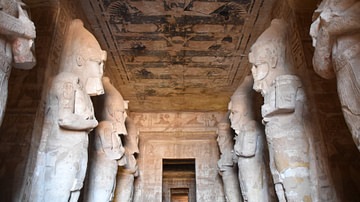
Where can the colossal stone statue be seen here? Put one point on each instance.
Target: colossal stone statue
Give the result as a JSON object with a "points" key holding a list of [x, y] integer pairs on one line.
{"points": [[62, 154], [282, 113], [249, 145], [227, 162], [125, 180], [115, 107], [17, 34], [336, 38], [108, 148]]}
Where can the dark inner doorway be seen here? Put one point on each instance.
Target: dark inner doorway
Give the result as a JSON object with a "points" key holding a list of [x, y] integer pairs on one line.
{"points": [[178, 182]]}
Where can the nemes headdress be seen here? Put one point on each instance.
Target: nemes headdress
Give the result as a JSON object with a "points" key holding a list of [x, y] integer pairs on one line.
{"points": [[275, 36], [113, 99], [81, 44], [243, 93], [224, 122]]}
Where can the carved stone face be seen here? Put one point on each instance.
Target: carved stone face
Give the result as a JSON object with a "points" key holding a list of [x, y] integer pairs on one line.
{"points": [[83, 56], [133, 142], [94, 72], [115, 107], [132, 139], [260, 69], [120, 117], [269, 56], [238, 112], [223, 136], [117, 115]]}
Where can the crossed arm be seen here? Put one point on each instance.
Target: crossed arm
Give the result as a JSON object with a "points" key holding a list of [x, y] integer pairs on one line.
{"points": [[68, 118]]}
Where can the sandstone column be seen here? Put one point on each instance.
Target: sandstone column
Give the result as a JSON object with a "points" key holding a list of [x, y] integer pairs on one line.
{"points": [[282, 113], [17, 34], [107, 151], [62, 154], [227, 163], [336, 38], [126, 175], [249, 145]]}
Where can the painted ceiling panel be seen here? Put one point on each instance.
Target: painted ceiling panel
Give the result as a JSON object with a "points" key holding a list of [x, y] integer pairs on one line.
{"points": [[177, 55]]}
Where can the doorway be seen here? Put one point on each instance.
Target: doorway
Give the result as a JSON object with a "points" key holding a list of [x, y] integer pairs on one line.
{"points": [[179, 194], [178, 182]]}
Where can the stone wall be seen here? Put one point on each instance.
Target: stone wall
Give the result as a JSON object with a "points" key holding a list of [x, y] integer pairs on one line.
{"points": [[21, 129], [185, 135], [23, 100], [336, 155], [171, 135]]}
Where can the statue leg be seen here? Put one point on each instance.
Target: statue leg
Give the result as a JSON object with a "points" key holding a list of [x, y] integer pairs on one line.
{"points": [[3, 93], [59, 177], [74, 196], [349, 94], [102, 176], [65, 173], [279, 188], [82, 157], [231, 184], [253, 176], [124, 188], [292, 162], [353, 123]]}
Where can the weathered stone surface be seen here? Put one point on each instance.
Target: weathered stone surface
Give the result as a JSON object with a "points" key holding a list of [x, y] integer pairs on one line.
{"points": [[107, 149], [336, 38], [182, 121], [282, 112], [103, 165], [17, 34], [249, 145], [114, 108], [126, 175], [62, 155], [50, 17], [227, 163], [184, 140]]}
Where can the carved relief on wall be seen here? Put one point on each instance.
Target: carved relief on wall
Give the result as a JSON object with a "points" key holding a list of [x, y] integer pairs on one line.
{"points": [[182, 121], [155, 146]]}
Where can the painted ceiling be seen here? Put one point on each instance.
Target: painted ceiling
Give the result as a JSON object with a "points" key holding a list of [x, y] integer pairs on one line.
{"points": [[177, 55]]}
